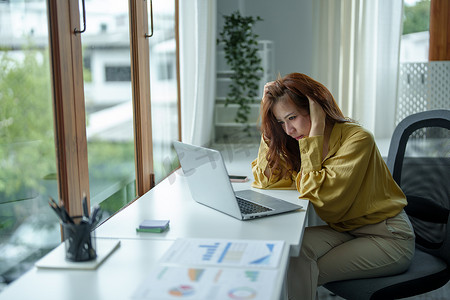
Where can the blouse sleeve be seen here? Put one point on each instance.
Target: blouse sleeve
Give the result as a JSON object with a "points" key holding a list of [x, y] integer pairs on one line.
{"points": [[276, 180], [332, 185]]}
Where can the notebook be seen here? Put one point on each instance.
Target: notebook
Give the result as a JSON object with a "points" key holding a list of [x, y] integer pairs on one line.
{"points": [[210, 185]]}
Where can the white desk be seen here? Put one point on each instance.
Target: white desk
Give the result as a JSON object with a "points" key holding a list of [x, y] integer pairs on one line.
{"points": [[171, 200], [117, 278]]}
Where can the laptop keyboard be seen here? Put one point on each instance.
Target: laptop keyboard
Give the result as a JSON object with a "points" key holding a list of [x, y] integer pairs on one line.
{"points": [[248, 207]]}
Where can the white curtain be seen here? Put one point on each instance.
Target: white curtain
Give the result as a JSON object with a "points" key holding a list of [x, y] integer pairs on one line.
{"points": [[357, 45], [197, 25]]}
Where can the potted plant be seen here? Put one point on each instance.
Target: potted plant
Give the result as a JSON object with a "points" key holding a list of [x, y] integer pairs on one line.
{"points": [[241, 54]]}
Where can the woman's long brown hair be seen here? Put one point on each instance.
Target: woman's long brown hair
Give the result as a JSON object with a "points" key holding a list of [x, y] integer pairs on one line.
{"points": [[294, 87]]}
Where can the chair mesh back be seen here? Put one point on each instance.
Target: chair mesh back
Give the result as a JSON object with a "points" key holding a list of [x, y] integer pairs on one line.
{"points": [[426, 174]]}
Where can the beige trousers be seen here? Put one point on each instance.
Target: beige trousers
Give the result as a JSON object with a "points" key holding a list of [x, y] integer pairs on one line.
{"points": [[381, 249]]}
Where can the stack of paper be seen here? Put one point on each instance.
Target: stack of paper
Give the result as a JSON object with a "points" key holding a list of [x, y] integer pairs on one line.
{"points": [[153, 226], [214, 269]]}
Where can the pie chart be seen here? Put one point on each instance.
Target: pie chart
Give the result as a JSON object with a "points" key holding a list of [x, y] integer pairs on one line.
{"points": [[182, 291], [242, 293]]}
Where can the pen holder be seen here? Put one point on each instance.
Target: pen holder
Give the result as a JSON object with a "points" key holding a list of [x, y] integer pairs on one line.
{"points": [[79, 244]]}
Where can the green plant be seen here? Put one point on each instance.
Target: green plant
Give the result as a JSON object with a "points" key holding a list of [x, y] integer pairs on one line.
{"points": [[241, 54]]}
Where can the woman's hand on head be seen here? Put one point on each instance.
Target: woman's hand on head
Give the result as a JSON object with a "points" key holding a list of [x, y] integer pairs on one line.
{"points": [[317, 116], [266, 88]]}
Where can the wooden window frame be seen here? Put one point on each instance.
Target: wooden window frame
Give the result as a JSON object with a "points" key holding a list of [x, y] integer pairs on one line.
{"points": [[177, 42], [69, 104], [439, 30], [140, 77]]}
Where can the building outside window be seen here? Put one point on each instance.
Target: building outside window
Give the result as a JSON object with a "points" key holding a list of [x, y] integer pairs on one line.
{"points": [[28, 169]]}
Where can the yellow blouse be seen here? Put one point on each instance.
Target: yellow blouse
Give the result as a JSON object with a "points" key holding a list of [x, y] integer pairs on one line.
{"points": [[350, 188]]}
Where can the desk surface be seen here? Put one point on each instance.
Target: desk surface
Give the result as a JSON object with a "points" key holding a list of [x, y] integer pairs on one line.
{"points": [[171, 200], [122, 272], [117, 278]]}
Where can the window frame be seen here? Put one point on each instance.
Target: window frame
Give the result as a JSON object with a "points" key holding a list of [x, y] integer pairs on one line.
{"points": [[69, 104], [439, 48], [140, 76]]}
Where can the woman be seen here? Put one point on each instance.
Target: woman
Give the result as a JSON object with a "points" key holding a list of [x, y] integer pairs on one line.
{"points": [[333, 162]]}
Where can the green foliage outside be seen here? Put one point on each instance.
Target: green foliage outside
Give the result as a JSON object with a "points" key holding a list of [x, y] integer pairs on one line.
{"points": [[416, 18], [28, 161], [27, 147], [110, 164], [110, 159], [27, 151]]}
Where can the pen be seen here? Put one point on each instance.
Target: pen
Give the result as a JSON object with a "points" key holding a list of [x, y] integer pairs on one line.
{"points": [[85, 208], [67, 217], [56, 210], [60, 211], [96, 216]]}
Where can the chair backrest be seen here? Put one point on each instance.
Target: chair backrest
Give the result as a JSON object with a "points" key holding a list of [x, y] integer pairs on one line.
{"points": [[419, 160]]}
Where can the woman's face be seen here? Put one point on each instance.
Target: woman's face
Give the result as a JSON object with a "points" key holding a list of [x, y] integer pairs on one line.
{"points": [[294, 121]]}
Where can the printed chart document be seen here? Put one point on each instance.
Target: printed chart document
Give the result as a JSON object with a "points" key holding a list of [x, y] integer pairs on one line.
{"points": [[214, 269]]}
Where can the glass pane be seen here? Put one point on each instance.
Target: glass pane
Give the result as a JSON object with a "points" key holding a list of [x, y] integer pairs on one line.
{"points": [[415, 39], [163, 82], [109, 114], [28, 228]]}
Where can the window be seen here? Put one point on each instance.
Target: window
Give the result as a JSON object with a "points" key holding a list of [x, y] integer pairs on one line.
{"points": [[80, 123], [416, 36], [166, 70], [109, 108], [424, 66], [117, 73], [28, 228], [164, 88]]}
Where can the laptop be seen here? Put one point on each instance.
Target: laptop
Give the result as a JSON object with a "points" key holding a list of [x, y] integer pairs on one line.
{"points": [[210, 185]]}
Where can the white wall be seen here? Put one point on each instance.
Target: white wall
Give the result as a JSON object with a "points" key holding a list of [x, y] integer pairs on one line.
{"points": [[288, 23]]}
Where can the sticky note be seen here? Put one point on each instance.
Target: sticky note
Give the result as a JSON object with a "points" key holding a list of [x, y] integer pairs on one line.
{"points": [[153, 226]]}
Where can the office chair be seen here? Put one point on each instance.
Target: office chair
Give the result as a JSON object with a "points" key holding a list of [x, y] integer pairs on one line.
{"points": [[426, 184]]}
